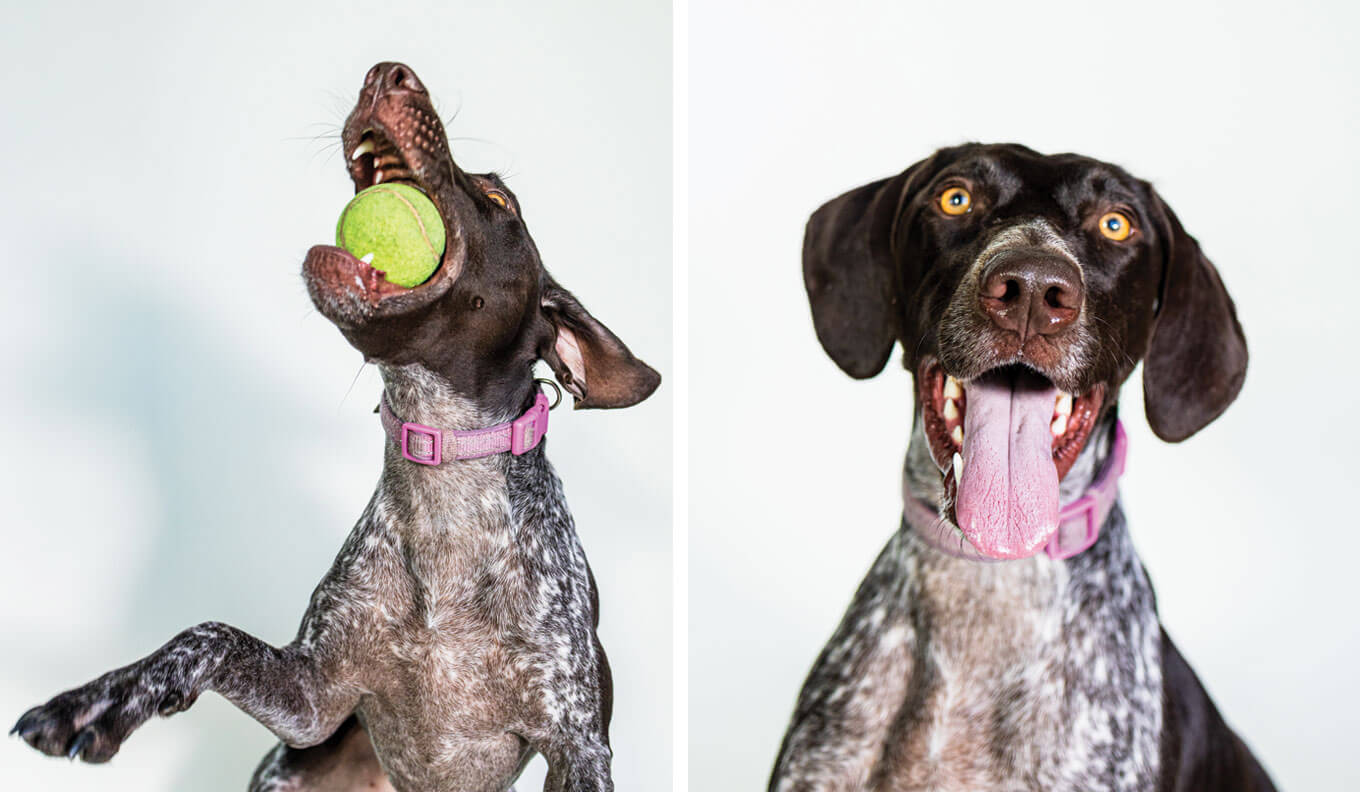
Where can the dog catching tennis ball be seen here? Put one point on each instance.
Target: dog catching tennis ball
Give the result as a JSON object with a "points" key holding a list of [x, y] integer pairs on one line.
{"points": [[394, 229]]}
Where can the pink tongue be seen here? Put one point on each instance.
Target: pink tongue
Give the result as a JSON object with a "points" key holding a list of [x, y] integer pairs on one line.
{"points": [[1007, 503]]}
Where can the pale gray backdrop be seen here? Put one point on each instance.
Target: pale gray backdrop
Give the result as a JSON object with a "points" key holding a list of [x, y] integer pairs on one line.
{"points": [[1245, 117], [184, 437]]}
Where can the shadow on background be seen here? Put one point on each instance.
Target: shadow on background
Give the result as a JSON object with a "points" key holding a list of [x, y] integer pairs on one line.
{"points": [[238, 535]]}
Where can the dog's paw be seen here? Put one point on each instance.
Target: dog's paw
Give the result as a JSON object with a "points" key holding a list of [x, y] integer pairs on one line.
{"points": [[91, 722]]}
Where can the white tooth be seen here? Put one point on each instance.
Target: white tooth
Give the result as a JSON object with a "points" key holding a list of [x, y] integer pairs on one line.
{"points": [[358, 281], [958, 467], [1059, 425], [367, 258], [1064, 405], [377, 177], [952, 388], [951, 410], [957, 436], [362, 149]]}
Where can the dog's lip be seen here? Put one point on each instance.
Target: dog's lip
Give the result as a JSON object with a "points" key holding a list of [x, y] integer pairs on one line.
{"points": [[350, 292]]}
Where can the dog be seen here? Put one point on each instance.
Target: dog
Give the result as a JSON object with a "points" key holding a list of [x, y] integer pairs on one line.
{"points": [[1007, 637], [455, 635]]}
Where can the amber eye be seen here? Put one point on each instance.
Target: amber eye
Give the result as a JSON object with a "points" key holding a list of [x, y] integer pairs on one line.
{"points": [[955, 201], [1114, 225], [499, 198]]}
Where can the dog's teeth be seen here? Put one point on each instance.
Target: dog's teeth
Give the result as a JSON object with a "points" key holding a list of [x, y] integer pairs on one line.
{"points": [[957, 436], [958, 467], [951, 410], [1059, 426], [1064, 405], [952, 388], [367, 258], [362, 149], [377, 177]]}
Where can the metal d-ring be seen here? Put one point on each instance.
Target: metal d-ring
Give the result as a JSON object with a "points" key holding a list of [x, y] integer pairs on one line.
{"points": [[557, 392]]}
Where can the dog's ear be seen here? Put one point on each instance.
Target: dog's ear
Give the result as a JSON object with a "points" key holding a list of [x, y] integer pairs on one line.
{"points": [[850, 274], [589, 360], [1197, 358]]}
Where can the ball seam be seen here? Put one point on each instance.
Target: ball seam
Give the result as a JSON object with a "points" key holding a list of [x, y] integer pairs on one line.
{"points": [[420, 221]]}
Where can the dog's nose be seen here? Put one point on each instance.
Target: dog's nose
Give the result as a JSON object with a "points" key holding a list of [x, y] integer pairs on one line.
{"points": [[391, 76], [1031, 292]]}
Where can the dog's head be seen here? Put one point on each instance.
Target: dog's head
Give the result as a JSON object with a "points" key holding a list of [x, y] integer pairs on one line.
{"points": [[490, 310], [1024, 289]]}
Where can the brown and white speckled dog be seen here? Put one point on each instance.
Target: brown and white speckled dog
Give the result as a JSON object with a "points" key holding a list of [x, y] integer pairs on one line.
{"points": [[454, 637], [1023, 290]]}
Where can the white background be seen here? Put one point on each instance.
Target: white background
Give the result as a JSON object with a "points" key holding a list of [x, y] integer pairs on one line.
{"points": [[181, 438], [1246, 121]]}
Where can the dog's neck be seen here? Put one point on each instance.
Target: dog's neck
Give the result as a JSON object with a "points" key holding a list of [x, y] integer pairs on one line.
{"points": [[421, 396], [474, 491], [454, 521], [923, 491]]}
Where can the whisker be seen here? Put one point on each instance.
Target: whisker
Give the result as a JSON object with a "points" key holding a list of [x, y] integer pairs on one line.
{"points": [[333, 137], [352, 383], [449, 121]]}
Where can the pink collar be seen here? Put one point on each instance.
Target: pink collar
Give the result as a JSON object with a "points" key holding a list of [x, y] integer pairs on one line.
{"points": [[425, 445], [1078, 522]]}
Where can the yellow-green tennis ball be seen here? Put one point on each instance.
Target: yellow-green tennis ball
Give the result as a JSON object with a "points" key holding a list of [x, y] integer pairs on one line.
{"points": [[398, 227]]}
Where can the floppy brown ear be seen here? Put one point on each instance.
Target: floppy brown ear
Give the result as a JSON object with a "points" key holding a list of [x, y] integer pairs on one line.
{"points": [[589, 360], [1197, 358], [850, 275]]}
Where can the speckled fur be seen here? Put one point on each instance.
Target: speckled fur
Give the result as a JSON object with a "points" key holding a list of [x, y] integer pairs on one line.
{"points": [[457, 623], [950, 674], [961, 673]]}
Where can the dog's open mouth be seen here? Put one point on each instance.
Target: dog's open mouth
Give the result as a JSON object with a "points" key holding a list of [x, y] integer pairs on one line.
{"points": [[376, 159], [1002, 442]]}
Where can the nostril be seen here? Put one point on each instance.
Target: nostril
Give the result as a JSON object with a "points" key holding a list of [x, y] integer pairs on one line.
{"points": [[372, 75], [1030, 292], [1011, 292], [400, 77]]}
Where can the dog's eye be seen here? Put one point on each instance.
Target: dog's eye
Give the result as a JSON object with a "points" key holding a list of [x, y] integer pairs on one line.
{"points": [[1114, 225], [499, 198], [955, 201]]}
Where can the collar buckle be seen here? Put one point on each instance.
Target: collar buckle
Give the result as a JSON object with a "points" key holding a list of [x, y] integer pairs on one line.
{"points": [[1083, 509], [435, 437], [527, 431], [1086, 514]]}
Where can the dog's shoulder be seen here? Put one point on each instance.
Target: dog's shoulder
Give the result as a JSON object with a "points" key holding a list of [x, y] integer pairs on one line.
{"points": [[858, 684]]}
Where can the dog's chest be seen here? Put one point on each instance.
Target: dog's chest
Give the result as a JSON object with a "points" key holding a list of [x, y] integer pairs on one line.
{"points": [[455, 633], [453, 665], [1020, 685]]}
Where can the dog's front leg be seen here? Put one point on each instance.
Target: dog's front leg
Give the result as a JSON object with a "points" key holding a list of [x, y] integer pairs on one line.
{"points": [[290, 690], [582, 766]]}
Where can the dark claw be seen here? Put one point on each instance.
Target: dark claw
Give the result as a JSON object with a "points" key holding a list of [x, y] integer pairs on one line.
{"points": [[27, 723], [80, 743]]}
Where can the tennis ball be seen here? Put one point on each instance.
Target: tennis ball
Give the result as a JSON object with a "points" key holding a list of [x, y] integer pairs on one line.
{"points": [[398, 227]]}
